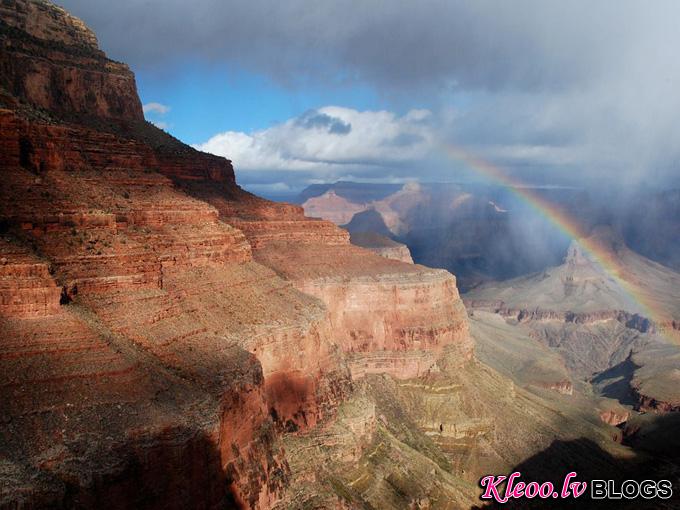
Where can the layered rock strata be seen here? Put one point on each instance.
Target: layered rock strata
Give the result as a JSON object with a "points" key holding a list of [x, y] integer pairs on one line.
{"points": [[387, 316], [383, 246], [148, 361], [162, 327]]}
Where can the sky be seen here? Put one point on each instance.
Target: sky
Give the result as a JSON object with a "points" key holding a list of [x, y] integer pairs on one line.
{"points": [[301, 91]]}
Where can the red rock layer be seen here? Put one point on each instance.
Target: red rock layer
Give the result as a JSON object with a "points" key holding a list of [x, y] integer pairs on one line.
{"points": [[264, 222], [51, 62], [173, 358], [615, 417], [26, 287], [150, 348], [83, 409], [132, 231], [157, 270], [383, 246], [389, 316], [647, 404], [631, 320]]}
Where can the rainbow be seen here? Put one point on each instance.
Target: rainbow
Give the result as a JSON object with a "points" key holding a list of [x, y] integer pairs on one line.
{"points": [[558, 217]]}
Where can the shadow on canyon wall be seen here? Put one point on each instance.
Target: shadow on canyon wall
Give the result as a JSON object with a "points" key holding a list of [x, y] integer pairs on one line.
{"points": [[176, 469], [657, 457], [615, 382]]}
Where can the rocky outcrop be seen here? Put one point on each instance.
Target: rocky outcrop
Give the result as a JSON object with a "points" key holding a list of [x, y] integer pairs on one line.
{"points": [[649, 404], [615, 417], [84, 409], [388, 316], [26, 286], [563, 387], [265, 222], [148, 360], [381, 245], [629, 288], [630, 320], [332, 207], [162, 328], [52, 65]]}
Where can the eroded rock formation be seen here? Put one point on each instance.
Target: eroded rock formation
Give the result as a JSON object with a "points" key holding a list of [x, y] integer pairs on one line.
{"points": [[161, 328], [383, 246]]}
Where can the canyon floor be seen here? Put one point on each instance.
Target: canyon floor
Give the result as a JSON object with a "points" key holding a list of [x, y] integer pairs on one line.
{"points": [[169, 340]]}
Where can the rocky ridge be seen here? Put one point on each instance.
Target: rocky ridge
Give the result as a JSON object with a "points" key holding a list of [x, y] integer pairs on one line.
{"points": [[383, 246], [582, 313], [144, 312]]}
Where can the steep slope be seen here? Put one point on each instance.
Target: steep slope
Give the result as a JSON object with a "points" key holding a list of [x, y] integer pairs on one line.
{"points": [[145, 312], [171, 341], [387, 316], [142, 347], [581, 312]]}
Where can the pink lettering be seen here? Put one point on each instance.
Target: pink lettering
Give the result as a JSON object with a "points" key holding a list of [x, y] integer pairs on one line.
{"points": [[531, 490], [565, 486], [519, 490], [578, 488], [491, 483], [546, 490]]}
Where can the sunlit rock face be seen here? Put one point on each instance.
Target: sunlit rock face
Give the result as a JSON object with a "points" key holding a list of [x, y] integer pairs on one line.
{"points": [[381, 245], [148, 360], [387, 316], [129, 289], [51, 61]]}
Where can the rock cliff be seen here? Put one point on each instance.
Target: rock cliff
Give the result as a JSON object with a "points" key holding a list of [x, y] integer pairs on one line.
{"points": [[51, 63], [620, 337], [161, 328], [148, 361], [383, 246]]}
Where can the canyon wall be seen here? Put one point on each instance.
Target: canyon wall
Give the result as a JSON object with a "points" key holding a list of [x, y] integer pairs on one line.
{"points": [[387, 316], [630, 320], [383, 246], [162, 328], [52, 64]]}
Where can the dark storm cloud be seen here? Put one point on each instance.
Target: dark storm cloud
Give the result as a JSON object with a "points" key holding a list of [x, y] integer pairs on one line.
{"points": [[480, 43]]}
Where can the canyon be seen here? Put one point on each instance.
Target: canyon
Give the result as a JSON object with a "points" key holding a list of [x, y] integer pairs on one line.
{"points": [[457, 227], [169, 340], [486, 232], [623, 342]]}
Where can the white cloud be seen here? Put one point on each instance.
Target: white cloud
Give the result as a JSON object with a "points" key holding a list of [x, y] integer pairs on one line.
{"points": [[156, 108], [330, 138], [161, 125]]}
